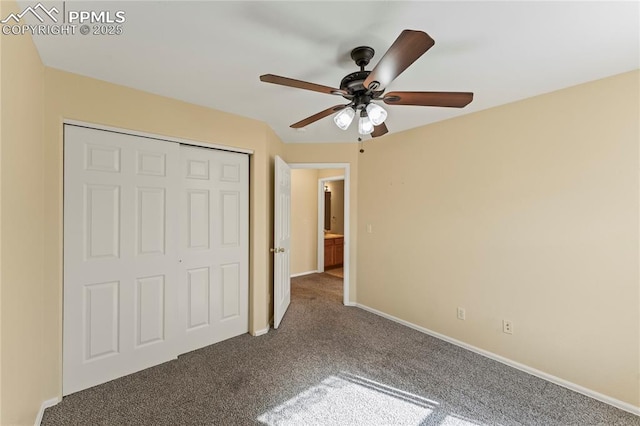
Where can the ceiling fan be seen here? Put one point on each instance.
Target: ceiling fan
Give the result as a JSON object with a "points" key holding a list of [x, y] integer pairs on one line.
{"points": [[362, 88]]}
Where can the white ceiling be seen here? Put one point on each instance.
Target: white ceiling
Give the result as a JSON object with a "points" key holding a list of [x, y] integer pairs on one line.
{"points": [[212, 53]]}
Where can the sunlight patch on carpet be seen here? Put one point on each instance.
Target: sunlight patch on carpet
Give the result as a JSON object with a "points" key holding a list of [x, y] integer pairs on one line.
{"points": [[353, 400]]}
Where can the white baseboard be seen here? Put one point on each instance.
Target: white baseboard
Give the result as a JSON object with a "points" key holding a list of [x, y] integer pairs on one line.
{"points": [[354, 304], [261, 332], [534, 372], [46, 404], [301, 274]]}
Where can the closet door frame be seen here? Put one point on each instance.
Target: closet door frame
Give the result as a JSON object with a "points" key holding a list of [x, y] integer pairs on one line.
{"points": [[157, 137], [150, 138]]}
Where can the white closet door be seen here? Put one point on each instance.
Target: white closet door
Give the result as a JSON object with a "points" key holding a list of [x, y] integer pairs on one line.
{"points": [[214, 242], [120, 255]]}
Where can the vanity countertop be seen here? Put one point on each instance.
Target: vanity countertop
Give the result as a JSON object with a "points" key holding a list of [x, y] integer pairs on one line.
{"points": [[332, 236]]}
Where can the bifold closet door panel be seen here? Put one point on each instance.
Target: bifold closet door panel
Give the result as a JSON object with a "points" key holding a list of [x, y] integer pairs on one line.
{"points": [[214, 241], [121, 194]]}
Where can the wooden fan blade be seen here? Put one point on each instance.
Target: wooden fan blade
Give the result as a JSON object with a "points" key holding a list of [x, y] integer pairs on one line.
{"points": [[299, 84], [318, 116], [408, 47], [439, 99], [379, 130]]}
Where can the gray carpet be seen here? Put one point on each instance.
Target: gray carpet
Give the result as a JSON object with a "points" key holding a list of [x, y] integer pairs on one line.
{"points": [[329, 364]]}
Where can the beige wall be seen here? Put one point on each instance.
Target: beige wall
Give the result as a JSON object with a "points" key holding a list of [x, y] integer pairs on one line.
{"points": [[324, 173], [527, 212], [304, 221], [22, 223]]}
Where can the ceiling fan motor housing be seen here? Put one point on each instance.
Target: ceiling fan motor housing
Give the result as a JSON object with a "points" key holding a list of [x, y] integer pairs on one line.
{"points": [[362, 55], [353, 83]]}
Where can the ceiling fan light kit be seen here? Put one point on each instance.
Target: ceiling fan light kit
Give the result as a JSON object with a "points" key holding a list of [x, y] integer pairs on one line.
{"points": [[365, 126], [344, 118], [376, 114], [362, 87]]}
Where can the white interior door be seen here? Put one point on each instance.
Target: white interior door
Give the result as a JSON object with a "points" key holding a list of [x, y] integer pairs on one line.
{"points": [[214, 241], [281, 241], [120, 252]]}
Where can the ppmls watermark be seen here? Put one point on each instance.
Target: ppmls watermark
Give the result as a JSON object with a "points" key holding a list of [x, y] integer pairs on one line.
{"points": [[57, 20]]}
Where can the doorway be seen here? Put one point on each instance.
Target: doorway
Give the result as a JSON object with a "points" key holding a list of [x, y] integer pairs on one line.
{"points": [[308, 231], [331, 220]]}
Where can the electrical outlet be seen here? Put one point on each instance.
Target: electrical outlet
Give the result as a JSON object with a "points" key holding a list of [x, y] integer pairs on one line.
{"points": [[462, 314], [507, 327], [369, 228]]}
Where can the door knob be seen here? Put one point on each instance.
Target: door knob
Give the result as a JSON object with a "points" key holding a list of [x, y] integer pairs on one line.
{"points": [[281, 250], [273, 250]]}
